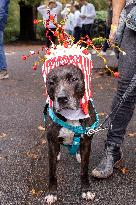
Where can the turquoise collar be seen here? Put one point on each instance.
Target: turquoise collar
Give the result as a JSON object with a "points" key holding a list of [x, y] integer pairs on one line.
{"points": [[78, 130]]}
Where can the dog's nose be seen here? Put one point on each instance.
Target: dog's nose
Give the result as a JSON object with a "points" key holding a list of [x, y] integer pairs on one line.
{"points": [[62, 99]]}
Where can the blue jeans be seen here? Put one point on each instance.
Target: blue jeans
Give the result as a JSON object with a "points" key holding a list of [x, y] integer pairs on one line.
{"points": [[127, 69], [3, 21], [3, 63]]}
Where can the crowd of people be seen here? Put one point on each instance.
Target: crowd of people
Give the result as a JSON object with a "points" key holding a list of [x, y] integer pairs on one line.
{"points": [[79, 18]]}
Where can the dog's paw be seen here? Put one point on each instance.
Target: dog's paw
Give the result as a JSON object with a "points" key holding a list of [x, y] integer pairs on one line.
{"points": [[88, 195], [78, 157], [58, 157], [50, 199]]}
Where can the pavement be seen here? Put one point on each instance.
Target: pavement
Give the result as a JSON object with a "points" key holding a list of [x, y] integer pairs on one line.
{"points": [[23, 148]]}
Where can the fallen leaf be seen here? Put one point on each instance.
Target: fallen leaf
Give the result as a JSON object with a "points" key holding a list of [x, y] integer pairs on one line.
{"points": [[2, 135], [32, 155], [41, 128], [101, 114], [35, 193], [124, 170], [132, 134], [43, 141]]}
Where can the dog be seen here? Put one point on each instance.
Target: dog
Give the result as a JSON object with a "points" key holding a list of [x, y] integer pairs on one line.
{"points": [[66, 87]]}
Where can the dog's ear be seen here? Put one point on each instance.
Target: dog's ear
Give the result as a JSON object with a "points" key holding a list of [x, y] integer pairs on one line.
{"points": [[50, 84], [50, 91]]}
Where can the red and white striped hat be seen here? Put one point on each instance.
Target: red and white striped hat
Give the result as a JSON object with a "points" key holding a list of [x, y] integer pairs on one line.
{"points": [[75, 55]]}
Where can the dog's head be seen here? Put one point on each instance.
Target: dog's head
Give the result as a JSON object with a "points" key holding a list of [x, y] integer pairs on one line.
{"points": [[65, 87]]}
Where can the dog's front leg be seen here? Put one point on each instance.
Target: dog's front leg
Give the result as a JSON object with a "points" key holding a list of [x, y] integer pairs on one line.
{"points": [[52, 196], [85, 149]]}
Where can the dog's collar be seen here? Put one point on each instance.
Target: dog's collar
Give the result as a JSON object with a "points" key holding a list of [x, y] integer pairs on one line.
{"points": [[76, 129]]}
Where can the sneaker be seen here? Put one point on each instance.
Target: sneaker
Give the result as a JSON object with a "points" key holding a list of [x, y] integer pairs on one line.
{"points": [[112, 53], [4, 75], [93, 51], [103, 53]]}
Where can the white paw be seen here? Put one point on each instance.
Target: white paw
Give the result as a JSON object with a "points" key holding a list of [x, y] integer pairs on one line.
{"points": [[78, 157], [58, 157], [88, 195], [50, 199]]}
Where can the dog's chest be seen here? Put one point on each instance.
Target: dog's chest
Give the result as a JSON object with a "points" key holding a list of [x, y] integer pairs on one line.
{"points": [[67, 134]]}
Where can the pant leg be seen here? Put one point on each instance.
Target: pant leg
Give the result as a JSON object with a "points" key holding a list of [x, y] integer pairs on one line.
{"points": [[3, 63], [107, 33], [53, 38], [127, 69], [47, 38], [77, 34], [83, 31], [89, 30], [50, 36]]}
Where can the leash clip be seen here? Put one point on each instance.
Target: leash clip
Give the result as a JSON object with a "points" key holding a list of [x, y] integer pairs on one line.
{"points": [[91, 131]]}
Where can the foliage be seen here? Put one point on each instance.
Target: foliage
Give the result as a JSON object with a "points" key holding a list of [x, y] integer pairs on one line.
{"points": [[12, 28], [30, 2], [99, 4], [101, 15]]}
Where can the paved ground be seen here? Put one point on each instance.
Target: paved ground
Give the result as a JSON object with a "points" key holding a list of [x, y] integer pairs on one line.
{"points": [[23, 150]]}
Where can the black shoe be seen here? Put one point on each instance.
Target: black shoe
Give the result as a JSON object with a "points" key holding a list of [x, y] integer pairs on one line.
{"points": [[113, 159]]}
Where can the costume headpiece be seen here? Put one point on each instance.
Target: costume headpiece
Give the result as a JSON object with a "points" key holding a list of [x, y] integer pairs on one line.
{"points": [[70, 54]]}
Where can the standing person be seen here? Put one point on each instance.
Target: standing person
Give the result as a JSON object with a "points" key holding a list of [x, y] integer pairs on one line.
{"points": [[127, 69], [53, 9], [77, 23], [3, 21], [68, 15], [87, 16], [107, 29]]}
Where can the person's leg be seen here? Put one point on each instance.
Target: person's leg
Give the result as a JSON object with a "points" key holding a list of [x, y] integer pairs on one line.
{"points": [[83, 31], [53, 38], [77, 34], [115, 136], [106, 45], [89, 30], [3, 63], [47, 37], [127, 69], [50, 36]]}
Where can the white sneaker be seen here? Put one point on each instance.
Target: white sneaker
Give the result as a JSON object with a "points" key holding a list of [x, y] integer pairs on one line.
{"points": [[103, 53], [93, 52], [112, 53], [4, 75]]}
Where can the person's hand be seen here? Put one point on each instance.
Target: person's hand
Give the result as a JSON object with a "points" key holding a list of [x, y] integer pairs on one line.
{"points": [[113, 32]]}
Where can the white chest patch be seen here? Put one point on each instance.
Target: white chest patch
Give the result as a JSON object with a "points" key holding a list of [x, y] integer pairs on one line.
{"points": [[68, 134]]}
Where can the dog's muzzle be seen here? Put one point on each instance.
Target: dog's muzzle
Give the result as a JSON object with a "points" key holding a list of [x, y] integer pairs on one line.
{"points": [[62, 99]]}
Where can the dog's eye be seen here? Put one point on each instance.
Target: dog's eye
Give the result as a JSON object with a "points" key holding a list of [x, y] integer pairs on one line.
{"points": [[74, 79]]}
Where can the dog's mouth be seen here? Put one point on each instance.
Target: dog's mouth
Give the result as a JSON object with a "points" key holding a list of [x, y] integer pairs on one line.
{"points": [[65, 108]]}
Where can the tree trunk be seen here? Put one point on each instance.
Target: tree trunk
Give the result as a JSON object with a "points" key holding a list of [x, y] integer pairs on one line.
{"points": [[27, 29]]}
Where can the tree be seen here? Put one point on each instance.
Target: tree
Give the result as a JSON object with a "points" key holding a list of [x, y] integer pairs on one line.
{"points": [[28, 12]]}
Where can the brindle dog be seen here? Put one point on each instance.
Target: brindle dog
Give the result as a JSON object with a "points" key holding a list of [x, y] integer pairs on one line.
{"points": [[66, 87]]}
